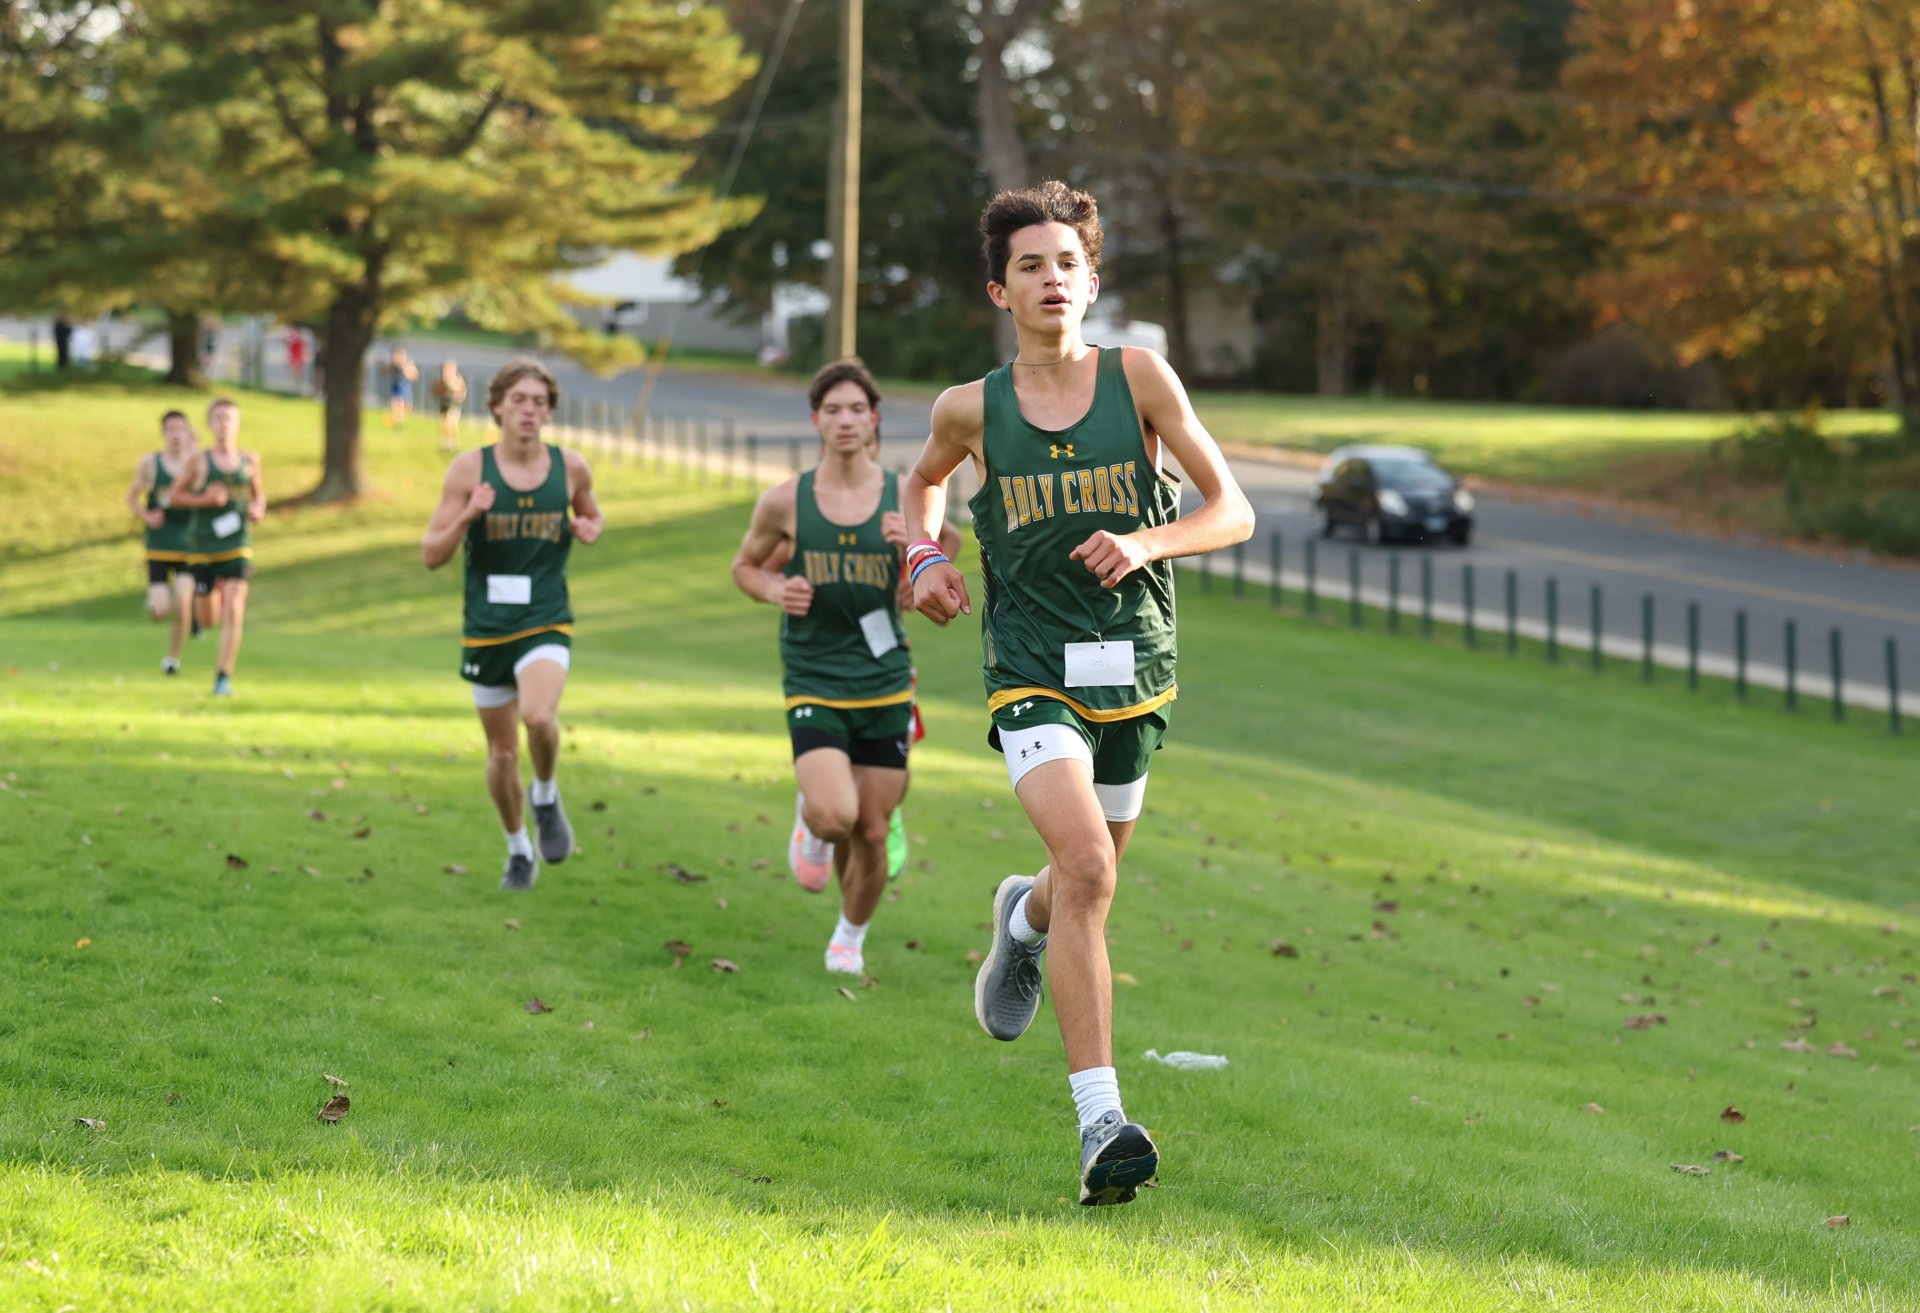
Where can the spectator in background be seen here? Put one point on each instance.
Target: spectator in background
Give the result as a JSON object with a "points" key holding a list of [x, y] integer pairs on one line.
{"points": [[82, 347], [402, 374], [62, 341], [297, 352], [450, 390]]}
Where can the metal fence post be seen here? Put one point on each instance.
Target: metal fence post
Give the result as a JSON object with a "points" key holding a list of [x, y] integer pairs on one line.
{"points": [[1513, 612], [1646, 637], [1313, 560], [1692, 647], [1893, 686], [1833, 656], [706, 474], [1393, 594], [1273, 586], [753, 458], [1426, 597], [1206, 572], [1353, 586], [1593, 625], [1740, 655], [1240, 569], [1466, 597], [1553, 618], [726, 437], [1793, 663]]}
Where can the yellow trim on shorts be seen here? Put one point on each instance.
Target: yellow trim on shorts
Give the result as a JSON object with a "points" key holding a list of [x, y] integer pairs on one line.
{"points": [[852, 704], [217, 558], [170, 558], [524, 633], [1010, 695]]}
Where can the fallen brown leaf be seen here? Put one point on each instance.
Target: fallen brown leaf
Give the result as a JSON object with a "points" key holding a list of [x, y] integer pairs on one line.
{"points": [[236, 863], [172, 1098], [645, 1032], [849, 995], [419, 809], [1125, 978], [721, 903], [454, 868], [975, 957], [913, 944], [512, 924], [1728, 1156], [1691, 1169], [315, 814], [597, 805], [1593, 1107], [1283, 950], [83, 942], [333, 1080], [678, 947], [1645, 1020], [1732, 1114], [313, 871], [683, 875], [1797, 1046], [335, 1108], [721, 964], [536, 1006], [1839, 1050], [1529, 1001], [363, 832], [1841, 1220]]}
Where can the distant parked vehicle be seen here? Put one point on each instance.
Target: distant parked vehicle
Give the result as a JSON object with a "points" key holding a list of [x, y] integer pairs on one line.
{"points": [[1392, 493]]}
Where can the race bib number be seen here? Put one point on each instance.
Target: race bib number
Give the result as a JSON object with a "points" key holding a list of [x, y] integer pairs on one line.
{"points": [[1095, 664], [509, 589], [225, 526], [878, 628]]}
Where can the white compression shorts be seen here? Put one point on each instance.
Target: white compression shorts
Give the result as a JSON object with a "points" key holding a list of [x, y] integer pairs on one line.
{"points": [[1036, 744], [488, 696]]}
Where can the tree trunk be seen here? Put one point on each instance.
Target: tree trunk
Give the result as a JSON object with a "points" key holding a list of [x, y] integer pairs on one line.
{"points": [[1333, 339], [1179, 335], [183, 347], [1002, 154], [1906, 334], [351, 320]]}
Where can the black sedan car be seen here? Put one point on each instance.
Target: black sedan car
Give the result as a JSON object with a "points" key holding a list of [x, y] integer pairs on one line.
{"points": [[1389, 493]]}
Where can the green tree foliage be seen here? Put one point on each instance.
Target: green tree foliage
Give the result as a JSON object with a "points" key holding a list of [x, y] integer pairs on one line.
{"points": [[394, 158], [1772, 151], [923, 310]]}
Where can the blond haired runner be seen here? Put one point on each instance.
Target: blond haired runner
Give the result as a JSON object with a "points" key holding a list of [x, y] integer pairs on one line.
{"points": [[1078, 523], [516, 507], [169, 531]]}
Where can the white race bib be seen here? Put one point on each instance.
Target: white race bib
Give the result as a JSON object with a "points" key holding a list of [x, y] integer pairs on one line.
{"points": [[878, 628], [509, 589], [1094, 664], [225, 526]]}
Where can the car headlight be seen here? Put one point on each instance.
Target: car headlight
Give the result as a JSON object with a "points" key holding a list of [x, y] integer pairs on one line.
{"points": [[1392, 502], [1463, 499]]}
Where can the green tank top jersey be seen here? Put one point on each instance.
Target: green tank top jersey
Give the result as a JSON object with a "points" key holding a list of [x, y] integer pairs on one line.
{"points": [[516, 557], [848, 650], [224, 533], [172, 540], [1044, 494]]}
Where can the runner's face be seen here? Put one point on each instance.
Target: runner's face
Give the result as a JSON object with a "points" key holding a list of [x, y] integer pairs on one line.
{"points": [[524, 410], [224, 421], [1049, 282], [178, 435], [845, 420]]}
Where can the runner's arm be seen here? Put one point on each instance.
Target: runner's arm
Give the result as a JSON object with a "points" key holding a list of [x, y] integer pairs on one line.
{"points": [[1224, 516], [769, 539], [213, 495], [939, 591], [257, 496], [588, 523], [137, 495], [464, 498]]}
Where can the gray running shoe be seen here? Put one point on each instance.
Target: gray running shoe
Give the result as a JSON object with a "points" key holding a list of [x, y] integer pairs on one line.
{"points": [[555, 835], [222, 686], [1006, 993], [521, 872], [1117, 1157]]}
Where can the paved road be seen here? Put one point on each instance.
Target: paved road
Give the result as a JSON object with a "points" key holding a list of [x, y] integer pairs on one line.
{"points": [[1864, 603]]}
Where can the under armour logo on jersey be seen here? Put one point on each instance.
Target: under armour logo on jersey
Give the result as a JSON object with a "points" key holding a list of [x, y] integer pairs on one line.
{"points": [[798, 712], [847, 539], [470, 668], [527, 502], [1025, 751], [1019, 707], [1059, 449]]}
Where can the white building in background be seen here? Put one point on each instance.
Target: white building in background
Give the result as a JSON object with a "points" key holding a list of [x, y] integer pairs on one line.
{"points": [[647, 302]]}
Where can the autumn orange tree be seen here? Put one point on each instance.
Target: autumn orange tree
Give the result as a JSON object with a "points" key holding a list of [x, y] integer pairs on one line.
{"points": [[1763, 158]]}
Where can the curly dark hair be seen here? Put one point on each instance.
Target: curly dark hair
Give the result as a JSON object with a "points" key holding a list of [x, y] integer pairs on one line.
{"points": [[1048, 202]]}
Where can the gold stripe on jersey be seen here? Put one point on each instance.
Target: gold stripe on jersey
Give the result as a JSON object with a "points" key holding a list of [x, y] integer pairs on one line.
{"points": [[184, 558], [508, 638], [215, 558], [1007, 696], [851, 704]]}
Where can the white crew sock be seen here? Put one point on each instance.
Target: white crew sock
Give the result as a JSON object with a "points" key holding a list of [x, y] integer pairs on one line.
{"points": [[518, 844], [545, 792], [1021, 929], [1096, 1092], [849, 935]]}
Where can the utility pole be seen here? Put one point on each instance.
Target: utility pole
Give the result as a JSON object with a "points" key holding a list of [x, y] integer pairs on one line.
{"points": [[843, 190]]}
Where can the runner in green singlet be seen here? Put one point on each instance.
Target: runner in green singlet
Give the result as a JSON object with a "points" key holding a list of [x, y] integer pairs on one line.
{"points": [[824, 547], [1076, 524], [223, 486], [517, 507], [168, 529]]}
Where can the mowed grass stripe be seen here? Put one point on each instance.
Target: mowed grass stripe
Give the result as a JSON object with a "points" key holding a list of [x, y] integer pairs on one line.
{"points": [[1401, 1125]]}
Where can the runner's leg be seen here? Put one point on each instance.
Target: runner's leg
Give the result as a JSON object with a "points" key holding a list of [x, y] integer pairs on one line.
{"points": [[502, 725], [235, 605]]}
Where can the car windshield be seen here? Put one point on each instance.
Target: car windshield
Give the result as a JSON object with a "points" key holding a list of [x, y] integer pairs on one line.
{"points": [[1407, 475]]}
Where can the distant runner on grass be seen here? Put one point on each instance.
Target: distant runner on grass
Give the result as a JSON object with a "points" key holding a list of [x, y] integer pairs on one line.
{"points": [[517, 506], [824, 547], [168, 530], [223, 485], [1077, 528]]}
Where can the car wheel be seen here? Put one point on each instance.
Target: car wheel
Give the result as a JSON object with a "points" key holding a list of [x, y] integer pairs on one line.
{"points": [[1462, 535]]}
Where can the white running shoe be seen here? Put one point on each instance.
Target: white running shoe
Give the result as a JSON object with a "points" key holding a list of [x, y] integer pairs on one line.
{"points": [[810, 856], [845, 960]]}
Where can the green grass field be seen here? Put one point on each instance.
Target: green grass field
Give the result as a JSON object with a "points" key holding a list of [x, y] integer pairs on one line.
{"points": [[1415, 894]]}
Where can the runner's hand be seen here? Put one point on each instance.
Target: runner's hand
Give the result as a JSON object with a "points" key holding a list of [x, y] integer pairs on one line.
{"points": [[217, 491], [940, 593], [1111, 557], [585, 529], [479, 501], [154, 519], [795, 596], [893, 527], [256, 510]]}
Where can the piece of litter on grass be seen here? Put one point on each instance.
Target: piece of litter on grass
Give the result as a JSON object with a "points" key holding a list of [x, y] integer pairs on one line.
{"points": [[1691, 1169], [333, 1080], [849, 995], [1186, 1060], [335, 1108], [91, 1123]]}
